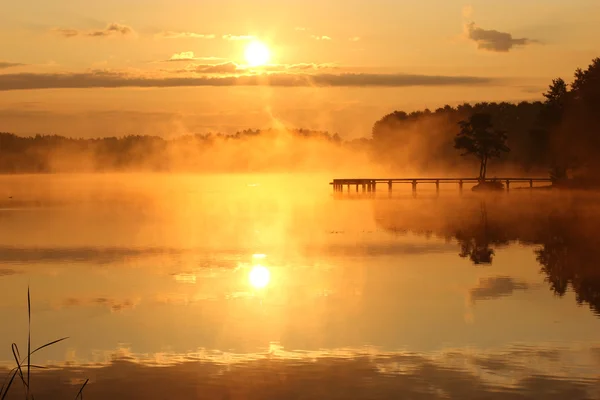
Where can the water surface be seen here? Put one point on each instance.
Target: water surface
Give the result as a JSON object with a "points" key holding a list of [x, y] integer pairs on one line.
{"points": [[266, 286]]}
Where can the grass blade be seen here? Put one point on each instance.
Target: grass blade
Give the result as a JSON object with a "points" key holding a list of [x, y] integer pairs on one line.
{"points": [[9, 384], [5, 379], [28, 340], [80, 393], [48, 344], [16, 355]]}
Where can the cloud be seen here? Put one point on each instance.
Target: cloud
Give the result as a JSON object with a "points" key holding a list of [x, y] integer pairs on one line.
{"points": [[354, 39], [5, 64], [223, 68], [496, 287], [188, 56], [316, 37], [309, 66], [238, 37], [111, 30], [493, 40], [183, 56], [300, 28], [184, 35], [231, 67], [110, 79]]}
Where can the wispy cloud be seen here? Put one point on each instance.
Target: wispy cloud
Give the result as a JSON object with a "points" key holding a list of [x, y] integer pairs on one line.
{"points": [[354, 39], [223, 68], [184, 35], [109, 79], [300, 28], [188, 56], [238, 37], [323, 37], [309, 66], [111, 30], [5, 64], [231, 67], [492, 40]]}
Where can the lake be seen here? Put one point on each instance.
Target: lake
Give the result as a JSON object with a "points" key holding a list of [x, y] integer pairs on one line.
{"points": [[271, 287]]}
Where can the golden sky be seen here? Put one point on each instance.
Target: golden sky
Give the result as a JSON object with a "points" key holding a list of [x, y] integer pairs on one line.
{"points": [[97, 68]]}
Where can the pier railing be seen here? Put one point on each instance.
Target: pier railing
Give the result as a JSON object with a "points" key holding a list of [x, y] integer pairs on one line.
{"points": [[370, 185]]}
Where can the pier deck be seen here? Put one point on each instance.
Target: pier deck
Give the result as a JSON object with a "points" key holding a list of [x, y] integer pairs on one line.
{"points": [[370, 185]]}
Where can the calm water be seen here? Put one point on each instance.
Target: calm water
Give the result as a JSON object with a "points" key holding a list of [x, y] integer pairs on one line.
{"points": [[260, 287]]}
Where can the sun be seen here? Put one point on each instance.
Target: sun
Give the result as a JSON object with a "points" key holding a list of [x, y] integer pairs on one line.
{"points": [[259, 277], [257, 54]]}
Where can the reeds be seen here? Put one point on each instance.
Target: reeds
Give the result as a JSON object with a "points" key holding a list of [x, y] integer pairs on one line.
{"points": [[26, 362]]}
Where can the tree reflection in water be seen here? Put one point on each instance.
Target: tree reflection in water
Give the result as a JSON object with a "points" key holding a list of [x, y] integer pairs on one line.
{"points": [[564, 233], [569, 258]]}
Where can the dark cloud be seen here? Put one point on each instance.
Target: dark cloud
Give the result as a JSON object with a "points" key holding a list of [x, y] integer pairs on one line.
{"points": [[5, 64], [493, 40], [108, 79], [113, 29], [496, 287]]}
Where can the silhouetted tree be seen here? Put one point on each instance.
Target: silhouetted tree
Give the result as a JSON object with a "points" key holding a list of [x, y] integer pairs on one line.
{"points": [[477, 137], [546, 147], [584, 115]]}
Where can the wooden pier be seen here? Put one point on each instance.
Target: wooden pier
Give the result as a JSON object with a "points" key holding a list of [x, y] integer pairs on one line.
{"points": [[370, 185]]}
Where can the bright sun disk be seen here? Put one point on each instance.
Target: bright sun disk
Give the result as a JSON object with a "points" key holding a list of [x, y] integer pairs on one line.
{"points": [[259, 277], [257, 54]]}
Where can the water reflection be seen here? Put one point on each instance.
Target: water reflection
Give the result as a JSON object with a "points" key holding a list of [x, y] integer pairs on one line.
{"points": [[513, 374], [564, 231], [287, 295]]}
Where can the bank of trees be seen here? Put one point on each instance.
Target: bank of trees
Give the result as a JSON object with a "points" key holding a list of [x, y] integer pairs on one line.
{"points": [[560, 134], [247, 150]]}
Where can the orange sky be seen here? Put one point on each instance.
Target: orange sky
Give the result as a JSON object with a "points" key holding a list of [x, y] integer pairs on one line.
{"points": [[84, 68]]}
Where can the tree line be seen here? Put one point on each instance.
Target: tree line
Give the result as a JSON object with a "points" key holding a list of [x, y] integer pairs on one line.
{"points": [[560, 135], [244, 150]]}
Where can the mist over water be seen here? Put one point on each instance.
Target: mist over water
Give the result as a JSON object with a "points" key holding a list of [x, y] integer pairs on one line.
{"points": [[443, 296]]}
